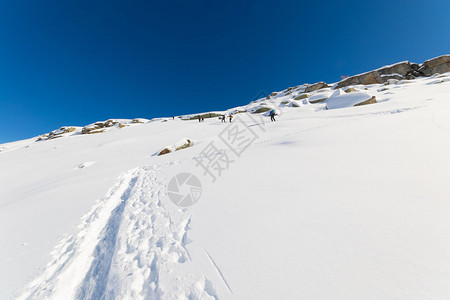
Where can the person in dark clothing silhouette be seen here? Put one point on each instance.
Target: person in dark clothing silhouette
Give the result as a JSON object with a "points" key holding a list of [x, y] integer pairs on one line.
{"points": [[272, 115]]}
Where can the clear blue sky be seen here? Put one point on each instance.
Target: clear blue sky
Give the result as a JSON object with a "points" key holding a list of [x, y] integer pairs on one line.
{"points": [[76, 62]]}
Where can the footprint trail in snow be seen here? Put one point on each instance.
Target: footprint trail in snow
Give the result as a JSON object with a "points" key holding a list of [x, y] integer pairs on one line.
{"points": [[131, 245]]}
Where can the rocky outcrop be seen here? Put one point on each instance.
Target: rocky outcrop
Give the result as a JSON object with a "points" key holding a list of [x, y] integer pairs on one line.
{"points": [[56, 133], [402, 70], [98, 127], [302, 96], [205, 116], [399, 71], [318, 100], [164, 151], [316, 86], [370, 101], [261, 110], [139, 121], [350, 90], [186, 143], [432, 66]]}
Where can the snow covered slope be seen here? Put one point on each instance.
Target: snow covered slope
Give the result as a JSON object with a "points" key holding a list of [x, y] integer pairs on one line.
{"points": [[346, 203]]}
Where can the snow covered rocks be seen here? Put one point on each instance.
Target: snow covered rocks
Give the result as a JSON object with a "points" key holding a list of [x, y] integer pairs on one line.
{"points": [[315, 87], [183, 144], [320, 96], [261, 108], [63, 131], [399, 71], [341, 99], [98, 127], [302, 96]]}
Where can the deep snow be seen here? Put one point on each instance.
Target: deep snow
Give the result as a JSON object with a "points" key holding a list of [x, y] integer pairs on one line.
{"points": [[348, 203]]}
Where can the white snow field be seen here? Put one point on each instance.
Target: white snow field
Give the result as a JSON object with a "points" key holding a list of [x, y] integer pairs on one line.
{"points": [[345, 203]]}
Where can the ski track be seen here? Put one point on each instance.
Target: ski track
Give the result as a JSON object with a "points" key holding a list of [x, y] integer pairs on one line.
{"points": [[127, 247], [216, 267]]}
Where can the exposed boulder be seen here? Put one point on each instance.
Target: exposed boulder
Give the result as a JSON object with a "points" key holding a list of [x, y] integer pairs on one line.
{"points": [[261, 110], [369, 101], [399, 71], [164, 151], [139, 121], [315, 87], [439, 64], [205, 116], [57, 133], [98, 127], [302, 96], [183, 144], [290, 89], [402, 70], [350, 90], [321, 99]]}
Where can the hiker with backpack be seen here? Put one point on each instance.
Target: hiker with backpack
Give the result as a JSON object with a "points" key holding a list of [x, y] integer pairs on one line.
{"points": [[272, 115]]}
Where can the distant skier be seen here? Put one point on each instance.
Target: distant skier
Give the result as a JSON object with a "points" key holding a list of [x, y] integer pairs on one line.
{"points": [[223, 119], [199, 118], [231, 117], [272, 115]]}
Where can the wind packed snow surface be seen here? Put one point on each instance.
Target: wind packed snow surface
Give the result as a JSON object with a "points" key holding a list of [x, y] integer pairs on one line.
{"points": [[347, 203]]}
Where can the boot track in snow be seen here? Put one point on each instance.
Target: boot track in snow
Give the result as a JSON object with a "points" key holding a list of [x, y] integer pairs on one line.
{"points": [[124, 244]]}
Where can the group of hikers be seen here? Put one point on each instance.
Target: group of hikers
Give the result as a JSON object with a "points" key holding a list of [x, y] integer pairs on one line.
{"points": [[272, 115], [223, 118]]}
